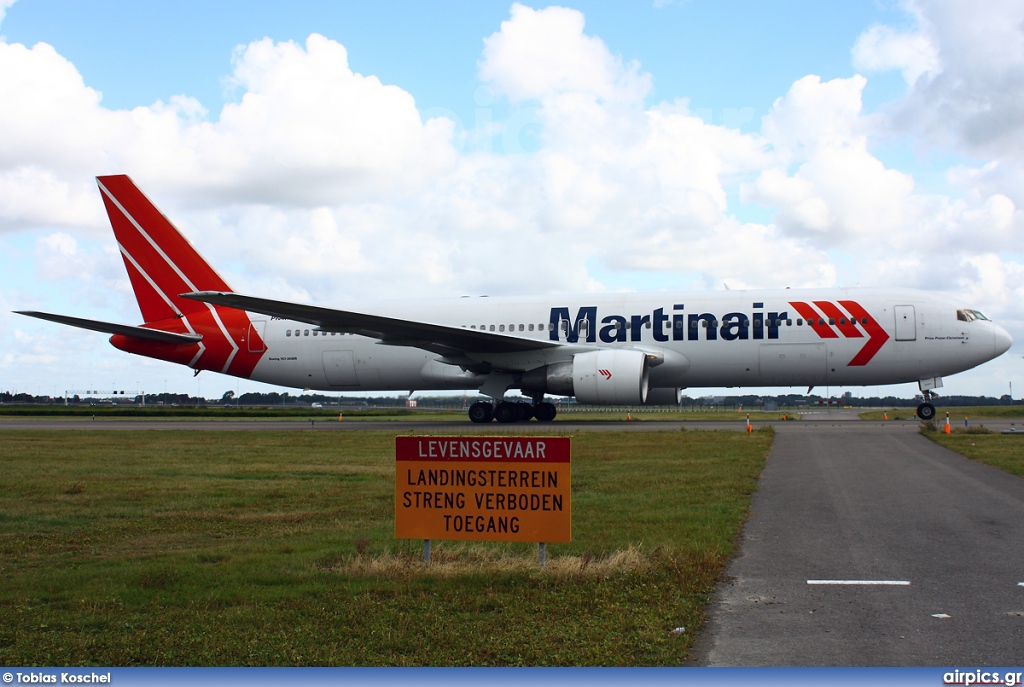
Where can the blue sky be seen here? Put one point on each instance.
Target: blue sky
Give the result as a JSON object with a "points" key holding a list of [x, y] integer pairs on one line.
{"points": [[754, 144], [719, 55]]}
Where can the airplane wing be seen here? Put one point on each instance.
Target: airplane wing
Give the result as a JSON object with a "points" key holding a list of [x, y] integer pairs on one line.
{"points": [[112, 328], [391, 331]]}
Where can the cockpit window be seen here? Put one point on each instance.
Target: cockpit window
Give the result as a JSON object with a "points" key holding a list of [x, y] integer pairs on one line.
{"points": [[970, 315]]}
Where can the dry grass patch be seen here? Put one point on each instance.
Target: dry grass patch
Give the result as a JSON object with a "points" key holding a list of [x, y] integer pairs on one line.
{"points": [[460, 560]]}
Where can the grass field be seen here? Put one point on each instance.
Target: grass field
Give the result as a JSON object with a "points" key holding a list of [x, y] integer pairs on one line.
{"points": [[956, 413], [263, 548], [1002, 451]]}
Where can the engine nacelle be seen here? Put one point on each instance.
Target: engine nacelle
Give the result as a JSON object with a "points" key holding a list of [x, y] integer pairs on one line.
{"points": [[614, 376], [664, 397]]}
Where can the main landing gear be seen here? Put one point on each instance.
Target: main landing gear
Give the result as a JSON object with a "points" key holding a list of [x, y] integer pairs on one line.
{"points": [[926, 411], [506, 412]]}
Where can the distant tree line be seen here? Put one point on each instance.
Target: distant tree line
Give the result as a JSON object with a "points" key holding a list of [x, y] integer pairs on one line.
{"points": [[279, 399]]}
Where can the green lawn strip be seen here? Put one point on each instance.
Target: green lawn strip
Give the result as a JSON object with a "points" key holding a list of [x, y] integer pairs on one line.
{"points": [[242, 548], [956, 413], [1001, 451]]}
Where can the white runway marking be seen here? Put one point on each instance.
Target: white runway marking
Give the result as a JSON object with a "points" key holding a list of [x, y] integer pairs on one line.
{"points": [[900, 583]]}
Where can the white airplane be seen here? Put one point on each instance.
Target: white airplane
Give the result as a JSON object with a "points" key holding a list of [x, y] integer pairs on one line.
{"points": [[622, 349]]}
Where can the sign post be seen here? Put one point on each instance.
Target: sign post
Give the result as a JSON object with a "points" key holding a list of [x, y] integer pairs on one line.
{"points": [[473, 488]]}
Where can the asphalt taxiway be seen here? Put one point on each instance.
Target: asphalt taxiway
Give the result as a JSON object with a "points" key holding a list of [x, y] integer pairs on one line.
{"points": [[870, 547]]}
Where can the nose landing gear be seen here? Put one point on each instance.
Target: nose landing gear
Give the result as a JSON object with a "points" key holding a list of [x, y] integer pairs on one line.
{"points": [[926, 411]]}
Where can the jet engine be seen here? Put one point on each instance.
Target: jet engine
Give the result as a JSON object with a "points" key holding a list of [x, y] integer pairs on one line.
{"points": [[612, 377]]}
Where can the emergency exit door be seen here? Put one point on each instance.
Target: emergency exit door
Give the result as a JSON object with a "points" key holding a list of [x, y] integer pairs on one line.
{"points": [[906, 323]]}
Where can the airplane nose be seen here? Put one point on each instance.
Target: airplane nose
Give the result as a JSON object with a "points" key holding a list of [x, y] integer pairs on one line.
{"points": [[1003, 340]]}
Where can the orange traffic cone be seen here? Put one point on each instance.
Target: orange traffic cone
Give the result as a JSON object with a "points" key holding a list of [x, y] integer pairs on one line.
{"points": [[946, 428], [749, 428]]}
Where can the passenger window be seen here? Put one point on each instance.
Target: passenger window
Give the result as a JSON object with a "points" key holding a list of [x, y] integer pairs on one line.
{"points": [[492, 327], [501, 327], [531, 326], [842, 320], [746, 323], [757, 323], [789, 323], [679, 324], [799, 322], [287, 332], [522, 328], [821, 320], [831, 320], [864, 320]]}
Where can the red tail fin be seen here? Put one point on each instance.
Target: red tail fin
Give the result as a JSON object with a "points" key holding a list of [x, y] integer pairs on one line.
{"points": [[161, 263]]}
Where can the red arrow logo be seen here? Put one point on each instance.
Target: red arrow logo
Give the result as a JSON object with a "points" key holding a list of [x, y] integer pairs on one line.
{"points": [[607, 374], [847, 323]]}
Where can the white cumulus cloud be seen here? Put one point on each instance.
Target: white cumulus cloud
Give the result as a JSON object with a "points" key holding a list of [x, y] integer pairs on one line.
{"points": [[317, 183]]}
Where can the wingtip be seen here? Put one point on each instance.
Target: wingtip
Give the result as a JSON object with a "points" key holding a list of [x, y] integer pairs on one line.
{"points": [[200, 295]]}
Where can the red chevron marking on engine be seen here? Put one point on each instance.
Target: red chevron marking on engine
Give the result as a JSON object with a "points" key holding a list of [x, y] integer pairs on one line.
{"points": [[607, 374], [877, 335]]}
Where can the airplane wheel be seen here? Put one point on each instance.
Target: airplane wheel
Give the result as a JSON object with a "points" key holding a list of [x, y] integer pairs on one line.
{"points": [[481, 412], [926, 411], [506, 412], [524, 411], [544, 412]]}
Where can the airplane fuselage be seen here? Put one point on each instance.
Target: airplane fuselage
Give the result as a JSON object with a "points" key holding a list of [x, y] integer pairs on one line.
{"points": [[729, 338], [624, 348]]}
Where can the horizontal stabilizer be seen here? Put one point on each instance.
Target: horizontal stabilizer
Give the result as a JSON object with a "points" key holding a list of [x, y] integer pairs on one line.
{"points": [[389, 330], [123, 329]]}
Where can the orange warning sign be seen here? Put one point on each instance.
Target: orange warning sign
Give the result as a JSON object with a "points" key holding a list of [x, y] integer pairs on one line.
{"points": [[483, 488]]}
